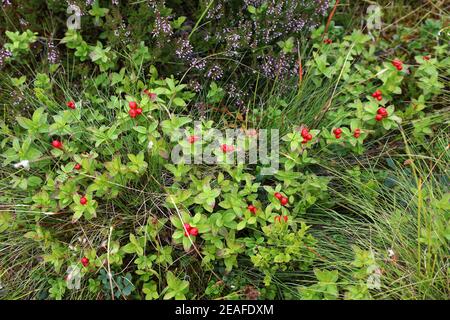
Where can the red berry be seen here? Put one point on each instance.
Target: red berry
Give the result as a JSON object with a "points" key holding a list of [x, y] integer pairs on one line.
{"points": [[193, 232], [132, 113], [357, 133], [77, 166], [382, 111], [337, 131], [138, 111], [132, 105], [426, 58], [379, 98], [83, 200], [193, 139], [85, 261], [278, 195], [284, 201], [376, 94], [337, 136], [304, 141], [252, 208], [378, 117], [399, 68], [57, 144], [227, 148], [304, 132], [309, 136], [71, 104], [397, 63], [187, 229], [285, 218]]}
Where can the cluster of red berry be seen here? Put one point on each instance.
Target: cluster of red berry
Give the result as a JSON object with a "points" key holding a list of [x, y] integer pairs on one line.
{"points": [[377, 95], [252, 208], [134, 110], [278, 218], [193, 139], [306, 135], [283, 200], [327, 41], [71, 104], [337, 133], [398, 64], [227, 148], [381, 114], [84, 261], [188, 230]]}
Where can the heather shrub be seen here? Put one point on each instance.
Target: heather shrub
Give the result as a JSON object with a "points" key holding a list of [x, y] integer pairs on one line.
{"points": [[222, 41]]}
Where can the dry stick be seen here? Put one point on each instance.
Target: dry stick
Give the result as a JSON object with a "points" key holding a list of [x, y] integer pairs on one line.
{"points": [[330, 17], [300, 66], [407, 15]]}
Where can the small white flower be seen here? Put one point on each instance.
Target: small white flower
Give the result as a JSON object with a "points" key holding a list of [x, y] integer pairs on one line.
{"points": [[103, 244], [82, 240], [150, 145], [24, 163], [391, 253]]}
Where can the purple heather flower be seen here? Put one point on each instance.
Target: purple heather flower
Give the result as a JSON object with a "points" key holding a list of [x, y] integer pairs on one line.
{"points": [[184, 49], [215, 12], [162, 26], [215, 73], [198, 64], [4, 54], [194, 85], [323, 6], [52, 53]]}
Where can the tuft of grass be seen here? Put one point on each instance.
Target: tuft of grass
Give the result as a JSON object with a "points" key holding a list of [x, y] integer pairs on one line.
{"points": [[398, 210]]}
